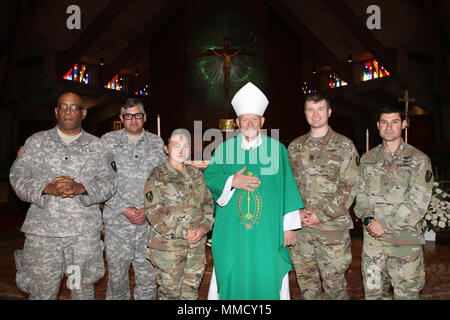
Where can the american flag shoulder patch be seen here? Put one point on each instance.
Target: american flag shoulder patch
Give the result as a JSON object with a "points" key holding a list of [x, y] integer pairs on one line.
{"points": [[149, 185]]}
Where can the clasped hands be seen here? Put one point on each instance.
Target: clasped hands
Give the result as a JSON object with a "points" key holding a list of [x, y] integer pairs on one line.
{"points": [[65, 187], [137, 216], [309, 218], [194, 235]]}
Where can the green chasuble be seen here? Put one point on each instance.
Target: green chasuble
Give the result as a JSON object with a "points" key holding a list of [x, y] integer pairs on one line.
{"points": [[248, 237]]}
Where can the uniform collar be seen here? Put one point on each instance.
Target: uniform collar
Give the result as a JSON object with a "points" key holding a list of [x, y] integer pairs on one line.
{"points": [[81, 141], [396, 153], [323, 140], [400, 148], [124, 137], [174, 171]]}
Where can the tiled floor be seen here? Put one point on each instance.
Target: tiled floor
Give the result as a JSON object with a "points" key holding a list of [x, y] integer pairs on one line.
{"points": [[437, 260]]}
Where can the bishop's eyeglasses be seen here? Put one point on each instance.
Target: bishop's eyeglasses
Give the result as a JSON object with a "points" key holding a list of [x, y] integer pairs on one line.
{"points": [[129, 116]]}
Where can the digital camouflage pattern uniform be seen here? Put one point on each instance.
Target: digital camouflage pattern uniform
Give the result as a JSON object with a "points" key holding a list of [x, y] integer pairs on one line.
{"points": [[326, 170], [175, 202], [395, 189], [126, 243], [61, 234]]}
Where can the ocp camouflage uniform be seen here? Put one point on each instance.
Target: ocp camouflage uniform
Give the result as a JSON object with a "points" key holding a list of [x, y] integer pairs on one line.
{"points": [[61, 233], [326, 170], [126, 243], [174, 203], [395, 189]]}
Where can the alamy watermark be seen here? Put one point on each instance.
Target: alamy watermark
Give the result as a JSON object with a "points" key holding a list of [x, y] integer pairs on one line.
{"points": [[374, 20], [73, 277], [73, 22], [267, 155], [373, 281]]}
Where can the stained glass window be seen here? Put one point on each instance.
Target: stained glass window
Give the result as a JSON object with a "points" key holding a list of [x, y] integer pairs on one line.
{"points": [[335, 81], [372, 70], [116, 83], [78, 73], [143, 91], [306, 89]]}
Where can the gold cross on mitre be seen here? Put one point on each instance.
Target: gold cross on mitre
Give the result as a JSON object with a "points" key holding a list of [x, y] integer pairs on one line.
{"points": [[407, 100]]}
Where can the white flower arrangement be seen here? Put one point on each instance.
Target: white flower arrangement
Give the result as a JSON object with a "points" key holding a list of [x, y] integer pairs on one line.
{"points": [[438, 212]]}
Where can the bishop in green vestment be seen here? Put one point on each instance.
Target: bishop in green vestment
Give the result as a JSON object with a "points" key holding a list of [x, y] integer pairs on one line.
{"points": [[257, 207]]}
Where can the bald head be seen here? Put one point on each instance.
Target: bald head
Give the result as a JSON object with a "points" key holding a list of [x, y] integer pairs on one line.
{"points": [[73, 96]]}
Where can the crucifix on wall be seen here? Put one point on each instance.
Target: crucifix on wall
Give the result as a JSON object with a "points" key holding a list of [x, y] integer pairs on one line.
{"points": [[226, 53], [407, 100]]}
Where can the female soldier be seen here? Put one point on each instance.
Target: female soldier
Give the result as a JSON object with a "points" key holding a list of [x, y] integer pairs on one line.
{"points": [[179, 208]]}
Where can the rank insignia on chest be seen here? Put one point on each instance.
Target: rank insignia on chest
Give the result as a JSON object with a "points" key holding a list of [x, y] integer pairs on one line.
{"points": [[191, 187], [113, 166], [311, 157], [149, 196]]}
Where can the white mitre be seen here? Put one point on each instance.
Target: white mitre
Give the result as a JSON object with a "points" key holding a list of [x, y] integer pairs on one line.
{"points": [[249, 99]]}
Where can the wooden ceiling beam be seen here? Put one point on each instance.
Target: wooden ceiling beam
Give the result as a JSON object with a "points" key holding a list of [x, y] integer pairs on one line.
{"points": [[140, 41], [343, 69], [66, 59]]}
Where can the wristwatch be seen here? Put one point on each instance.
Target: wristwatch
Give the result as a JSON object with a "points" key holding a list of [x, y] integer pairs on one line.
{"points": [[367, 220]]}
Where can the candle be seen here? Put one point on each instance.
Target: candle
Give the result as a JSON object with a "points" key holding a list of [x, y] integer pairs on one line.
{"points": [[367, 140], [406, 134], [159, 126]]}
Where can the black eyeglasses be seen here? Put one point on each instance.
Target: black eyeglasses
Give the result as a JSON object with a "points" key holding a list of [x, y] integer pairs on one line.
{"points": [[129, 116], [72, 107]]}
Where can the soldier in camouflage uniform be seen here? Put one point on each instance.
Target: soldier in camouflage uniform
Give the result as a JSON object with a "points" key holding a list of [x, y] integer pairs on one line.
{"points": [[326, 167], [393, 195], [136, 152], [179, 208], [65, 173]]}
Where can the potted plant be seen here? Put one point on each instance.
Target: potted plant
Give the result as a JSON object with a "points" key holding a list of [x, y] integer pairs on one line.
{"points": [[437, 218]]}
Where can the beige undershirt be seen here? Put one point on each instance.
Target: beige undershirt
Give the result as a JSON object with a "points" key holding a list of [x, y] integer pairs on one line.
{"points": [[135, 139], [66, 138]]}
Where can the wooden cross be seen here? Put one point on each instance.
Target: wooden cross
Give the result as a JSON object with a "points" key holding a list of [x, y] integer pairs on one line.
{"points": [[407, 100]]}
